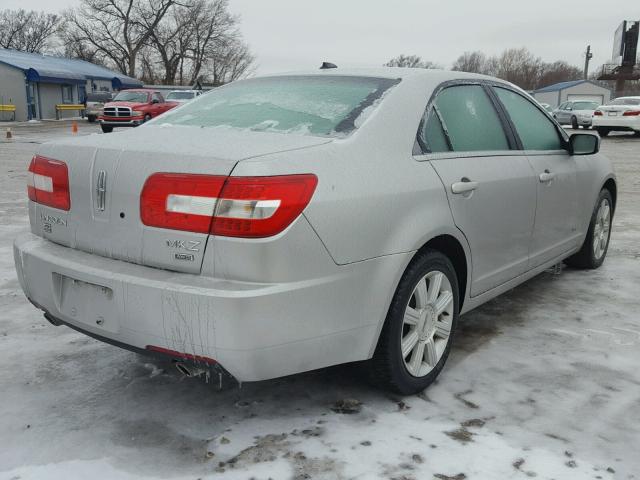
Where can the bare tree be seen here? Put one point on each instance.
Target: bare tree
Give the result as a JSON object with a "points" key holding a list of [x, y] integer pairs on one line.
{"points": [[559, 71], [115, 29], [27, 31], [474, 62], [411, 61]]}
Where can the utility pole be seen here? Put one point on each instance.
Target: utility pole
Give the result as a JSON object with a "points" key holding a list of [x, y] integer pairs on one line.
{"points": [[587, 57]]}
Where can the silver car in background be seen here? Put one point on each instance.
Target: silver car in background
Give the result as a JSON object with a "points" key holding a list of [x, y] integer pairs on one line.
{"points": [[576, 113], [324, 217]]}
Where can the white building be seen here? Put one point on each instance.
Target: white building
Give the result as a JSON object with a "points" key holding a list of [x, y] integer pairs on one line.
{"points": [[561, 92]]}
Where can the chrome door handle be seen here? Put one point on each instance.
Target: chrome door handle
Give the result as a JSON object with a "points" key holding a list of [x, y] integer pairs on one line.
{"points": [[546, 176], [464, 186]]}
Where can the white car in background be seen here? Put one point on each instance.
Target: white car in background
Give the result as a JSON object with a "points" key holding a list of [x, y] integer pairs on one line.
{"points": [[621, 114], [183, 96], [576, 113]]}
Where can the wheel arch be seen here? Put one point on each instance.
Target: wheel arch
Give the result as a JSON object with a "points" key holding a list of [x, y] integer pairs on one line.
{"points": [[610, 184], [452, 248]]}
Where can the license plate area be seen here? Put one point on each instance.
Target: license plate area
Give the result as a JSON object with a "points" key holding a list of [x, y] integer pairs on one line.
{"points": [[87, 303], [613, 114]]}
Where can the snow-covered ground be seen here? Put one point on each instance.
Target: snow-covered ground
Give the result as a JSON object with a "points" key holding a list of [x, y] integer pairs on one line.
{"points": [[543, 382]]}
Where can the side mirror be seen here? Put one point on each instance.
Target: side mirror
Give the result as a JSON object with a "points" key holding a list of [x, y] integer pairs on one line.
{"points": [[155, 100], [584, 144]]}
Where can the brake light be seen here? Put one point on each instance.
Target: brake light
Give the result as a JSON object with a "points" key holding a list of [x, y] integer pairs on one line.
{"points": [[597, 113], [248, 207], [180, 201], [631, 113], [48, 183]]}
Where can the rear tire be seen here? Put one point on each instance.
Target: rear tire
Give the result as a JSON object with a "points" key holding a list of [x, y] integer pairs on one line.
{"points": [[91, 118], [106, 129], [417, 334], [574, 123], [603, 132], [586, 127], [595, 246]]}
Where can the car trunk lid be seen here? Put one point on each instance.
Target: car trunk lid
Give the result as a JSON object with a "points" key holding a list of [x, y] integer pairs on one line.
{"points": [[107, 174]]}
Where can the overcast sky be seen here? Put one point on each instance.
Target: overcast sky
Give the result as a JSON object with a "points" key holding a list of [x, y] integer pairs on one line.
{"points": [[296, 34]]}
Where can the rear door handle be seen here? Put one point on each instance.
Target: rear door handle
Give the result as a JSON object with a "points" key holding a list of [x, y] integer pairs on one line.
{"points": [[464, 186], [546, 176]]}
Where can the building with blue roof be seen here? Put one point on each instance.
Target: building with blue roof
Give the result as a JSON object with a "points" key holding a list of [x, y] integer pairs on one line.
{"points": [[36, 83], [573, 90]]}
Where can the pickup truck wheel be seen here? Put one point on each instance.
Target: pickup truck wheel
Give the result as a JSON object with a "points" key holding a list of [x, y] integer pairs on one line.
{"points": [[106, 129], [416, 338], [574, 123], [596, 244], [147, 117], [91, 118], [603, 132]]}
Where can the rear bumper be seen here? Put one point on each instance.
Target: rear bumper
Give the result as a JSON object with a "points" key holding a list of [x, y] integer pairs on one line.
{"points": [[617, 123], [254, 331]]}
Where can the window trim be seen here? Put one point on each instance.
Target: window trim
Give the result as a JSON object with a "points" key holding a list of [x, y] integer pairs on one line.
{"points": [[512, 140], [564, 137]]}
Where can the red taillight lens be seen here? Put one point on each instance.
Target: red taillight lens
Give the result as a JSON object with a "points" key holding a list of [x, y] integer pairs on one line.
{"points": [[631, 113], [180, 201], [249, 207], [597, 113], [48, 183], [255, 207]]}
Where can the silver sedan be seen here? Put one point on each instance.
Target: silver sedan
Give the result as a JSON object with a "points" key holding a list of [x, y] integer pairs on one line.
{"points": [[287, 223]]}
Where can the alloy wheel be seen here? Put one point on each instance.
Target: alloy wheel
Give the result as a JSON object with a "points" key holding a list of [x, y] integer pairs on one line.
{"points": [[601, 229], [427, 322]]}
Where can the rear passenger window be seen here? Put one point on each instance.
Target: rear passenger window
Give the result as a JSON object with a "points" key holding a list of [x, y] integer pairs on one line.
{"points": [[432, 134], [470, 120], [535, 129]]}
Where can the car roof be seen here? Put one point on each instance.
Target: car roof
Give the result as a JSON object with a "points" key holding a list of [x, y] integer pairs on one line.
{"points": [[390, 72]]}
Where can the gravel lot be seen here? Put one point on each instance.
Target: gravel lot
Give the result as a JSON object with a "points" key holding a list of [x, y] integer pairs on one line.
{"points": [[543, 382]]}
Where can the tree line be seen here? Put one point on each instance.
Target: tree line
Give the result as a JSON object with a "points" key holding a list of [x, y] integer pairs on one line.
{"points": [[171, 42], [516, 65]]}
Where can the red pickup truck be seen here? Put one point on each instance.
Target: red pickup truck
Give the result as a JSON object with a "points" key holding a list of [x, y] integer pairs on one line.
{"points": [[131, 108]]}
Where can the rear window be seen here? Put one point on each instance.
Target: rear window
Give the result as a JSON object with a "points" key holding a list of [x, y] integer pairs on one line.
{"points": [[585, 105], [312, 105], [180, 95], [98, 97], [625, 101]]}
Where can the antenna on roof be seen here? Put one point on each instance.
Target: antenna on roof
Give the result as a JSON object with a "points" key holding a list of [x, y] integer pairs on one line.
{"points": [[327, 65]]}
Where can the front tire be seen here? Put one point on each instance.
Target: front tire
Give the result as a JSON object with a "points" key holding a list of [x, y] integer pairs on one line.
{"points": [[416, 338], [574, 123], [595, 246], [106, 129], [91, 118]]}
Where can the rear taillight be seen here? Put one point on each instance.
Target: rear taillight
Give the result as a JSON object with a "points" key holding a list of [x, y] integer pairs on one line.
{"points": [[631, 113], [597, 113], [249, 207], [48, 183], [180, 201]]}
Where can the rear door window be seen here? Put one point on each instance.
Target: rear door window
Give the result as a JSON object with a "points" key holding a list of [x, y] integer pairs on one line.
{"points": [[469, 121], [534, 128]]}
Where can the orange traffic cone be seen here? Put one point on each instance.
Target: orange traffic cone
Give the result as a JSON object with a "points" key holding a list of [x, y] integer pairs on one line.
{"points": [[74, 127], [9, 136]]}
